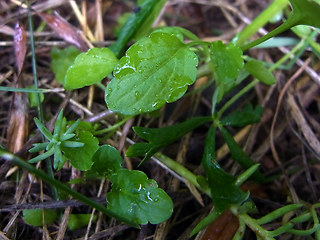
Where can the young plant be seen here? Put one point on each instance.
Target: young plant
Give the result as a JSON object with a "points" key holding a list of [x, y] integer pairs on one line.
{"points": [[71, 143]]}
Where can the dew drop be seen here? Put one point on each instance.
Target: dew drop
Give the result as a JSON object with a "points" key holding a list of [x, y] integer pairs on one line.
{"points": [[110, 89], [137, 94], [156, 199]]}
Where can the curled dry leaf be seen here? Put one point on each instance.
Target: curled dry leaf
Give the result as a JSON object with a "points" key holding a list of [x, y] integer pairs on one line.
{"points": [[20, 46], [64, 29], [18, 123], [18, 117]]}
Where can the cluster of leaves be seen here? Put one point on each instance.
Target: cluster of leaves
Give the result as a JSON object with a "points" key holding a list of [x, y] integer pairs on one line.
{"points": [[158, 69], [132, 195]]}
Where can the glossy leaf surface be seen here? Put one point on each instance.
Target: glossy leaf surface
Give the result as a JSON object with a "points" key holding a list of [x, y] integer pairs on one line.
{"points": [[237, 154], [160, 137], [90, 67], [34, 216], [138, 198], [106, 161], [81, 157], [226, 61], [256, 69], [61, 60], [222, 185], [157, 69], [240, 118]]}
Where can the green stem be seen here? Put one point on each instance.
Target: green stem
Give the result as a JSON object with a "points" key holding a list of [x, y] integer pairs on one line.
{"points": [[278, 213], [113, 127], [30, 90], [254, 226], [236, 97], [182, 171], [40, 110], [45, 177], [283, 27], [275, 7]]}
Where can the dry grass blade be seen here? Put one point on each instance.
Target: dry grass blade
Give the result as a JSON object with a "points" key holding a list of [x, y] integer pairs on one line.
{"points": [[303, 125], [64, 29], [17, 130]]}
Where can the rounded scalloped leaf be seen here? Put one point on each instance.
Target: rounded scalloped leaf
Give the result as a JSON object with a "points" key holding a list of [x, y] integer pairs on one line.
{"points": [[155, 70], [81, 157], [138, 198], [89, 68]]}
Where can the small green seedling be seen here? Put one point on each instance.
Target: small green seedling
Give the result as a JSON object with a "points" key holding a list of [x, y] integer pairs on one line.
{"points": [[66, 143], [34, 217]]}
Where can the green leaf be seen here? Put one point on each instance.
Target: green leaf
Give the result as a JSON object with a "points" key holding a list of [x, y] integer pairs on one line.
{"points": [[79, 220], [37, 147], [89, 68], [58, 160], [161, 137], [43, 129], [62, 59], [226, 62], [155, 70], [132, 26], [222, 185], [171, 30], [256, 69], [146, 26], [138, 198], [81, 157], [237, 154], [34, 216], [240, 118], [106, 161], [33, 97]]}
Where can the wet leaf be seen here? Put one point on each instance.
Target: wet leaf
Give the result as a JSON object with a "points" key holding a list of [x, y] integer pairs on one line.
{"points": [[160, 137], [106, 161], [226, 62], [256, 69], [81, 158], [90, 67], [61, 60], [20, 46], [34, 216], [240, 118], [157, 69], [138, 198], [64, 29]]}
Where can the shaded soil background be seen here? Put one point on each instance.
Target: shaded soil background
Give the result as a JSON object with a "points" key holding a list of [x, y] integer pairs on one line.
{"points": [[294, 162]]}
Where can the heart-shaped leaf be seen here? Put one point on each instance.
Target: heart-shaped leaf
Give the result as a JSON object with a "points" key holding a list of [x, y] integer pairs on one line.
{"points": [[155, 70], [89, 68], [138, 198]]}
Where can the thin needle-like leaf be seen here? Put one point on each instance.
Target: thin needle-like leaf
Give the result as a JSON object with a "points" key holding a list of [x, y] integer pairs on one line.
{"points": [[43, 129]]}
